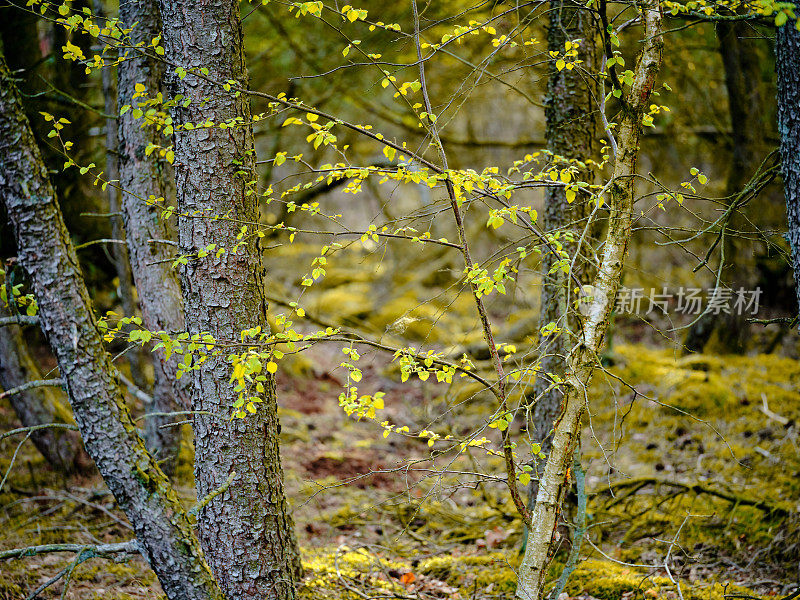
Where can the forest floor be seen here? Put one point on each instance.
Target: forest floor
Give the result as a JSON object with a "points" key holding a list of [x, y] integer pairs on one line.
{"points": [[692, 463]]}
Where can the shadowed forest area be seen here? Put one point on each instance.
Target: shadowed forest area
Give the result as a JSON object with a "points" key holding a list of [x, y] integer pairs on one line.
{"points": [[427, 299]]}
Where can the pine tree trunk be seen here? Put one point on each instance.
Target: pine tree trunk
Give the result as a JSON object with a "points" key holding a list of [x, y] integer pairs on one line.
{"points": [[144, 177], [787, 54], [248, 533], [62, 448], [65, 311], [571, 132]]}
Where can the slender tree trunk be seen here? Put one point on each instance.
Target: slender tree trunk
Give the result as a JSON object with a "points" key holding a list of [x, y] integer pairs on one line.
{"points": [[582, 358], [62, 448], [571, 133], [739, 54], [144, 177], [787, 55], [136, 356], [67, 318], [248, 532]]}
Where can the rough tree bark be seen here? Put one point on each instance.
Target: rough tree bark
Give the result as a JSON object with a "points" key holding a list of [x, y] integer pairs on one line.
{"points": [[743, 82], [247, 533], [144, 177], [65, 312], [62, 448], [787, 60], [582, 358], [571, 132]]}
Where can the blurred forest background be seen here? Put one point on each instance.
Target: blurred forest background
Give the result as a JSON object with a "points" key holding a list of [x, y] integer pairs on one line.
{"points": [[690, 447]]}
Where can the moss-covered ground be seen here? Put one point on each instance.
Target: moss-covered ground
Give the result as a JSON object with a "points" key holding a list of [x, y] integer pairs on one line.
{"points": [[695, 458]]}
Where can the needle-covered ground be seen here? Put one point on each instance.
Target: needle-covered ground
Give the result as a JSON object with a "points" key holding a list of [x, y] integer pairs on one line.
{"points": [[691, 464]]}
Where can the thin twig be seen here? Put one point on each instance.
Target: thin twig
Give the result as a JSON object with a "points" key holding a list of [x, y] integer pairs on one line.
{"points": [[672, 544], [134, 389], [13, 459], [102, 509], [499, 391], [102, 241], [33, 428], [772, 415]]}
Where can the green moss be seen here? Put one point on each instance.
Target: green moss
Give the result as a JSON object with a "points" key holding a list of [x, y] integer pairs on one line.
{"points": [[336, 573], [607, 580], [735, 442], [408, 315], [10, 590], [496, 569], [706, 383], [106, 595], [717, 591], [348, 301], [91, 570]]}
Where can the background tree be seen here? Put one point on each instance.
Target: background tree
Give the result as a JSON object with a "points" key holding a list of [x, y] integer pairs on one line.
{"points": [[787, 55], [571, 134], [146, 176], [739, 50], [62, 448]]}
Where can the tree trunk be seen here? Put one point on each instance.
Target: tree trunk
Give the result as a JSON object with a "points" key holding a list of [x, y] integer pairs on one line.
{"points": [[67, 318], [787, 55], [137, 357], [571, 132], [62, 448], [582, 358], [739, 52], [248, 532], [143, 177]]}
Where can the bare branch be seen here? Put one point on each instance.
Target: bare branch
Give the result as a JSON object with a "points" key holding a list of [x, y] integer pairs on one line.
{"points": [[19, 320], [129, 547], [30, 385], [33, 428]]}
